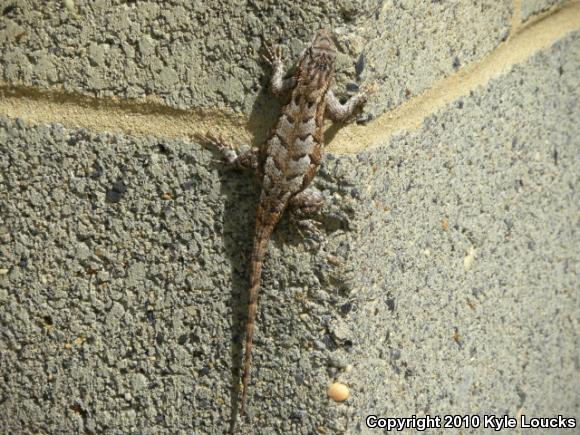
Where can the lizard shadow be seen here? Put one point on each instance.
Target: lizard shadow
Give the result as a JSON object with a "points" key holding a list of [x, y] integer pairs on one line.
{"points": [[240, 192]]}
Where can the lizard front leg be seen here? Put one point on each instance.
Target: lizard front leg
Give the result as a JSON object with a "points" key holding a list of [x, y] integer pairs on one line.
{"points": [[278, 84], [246, 160], [339, 112]]}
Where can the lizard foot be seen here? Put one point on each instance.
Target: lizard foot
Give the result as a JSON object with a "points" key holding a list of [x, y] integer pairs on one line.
{"points": [[245, 160], [273, 54]]}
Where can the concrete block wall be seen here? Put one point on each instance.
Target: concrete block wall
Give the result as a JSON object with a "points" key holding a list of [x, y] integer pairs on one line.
{"points": [[446, 282]]}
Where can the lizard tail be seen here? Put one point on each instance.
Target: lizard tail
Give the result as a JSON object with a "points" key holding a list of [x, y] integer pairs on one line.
{"points": [[261, 239]]}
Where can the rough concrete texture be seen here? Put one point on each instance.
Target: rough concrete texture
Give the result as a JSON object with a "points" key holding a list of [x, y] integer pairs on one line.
{"points": [[412, 44], [123, 263], [529, 8], [466, 265], [446, 283], [207, 54]]}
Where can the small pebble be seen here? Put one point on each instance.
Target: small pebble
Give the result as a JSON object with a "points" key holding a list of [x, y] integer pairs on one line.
{"points": [[469, 258], [338, 392]]}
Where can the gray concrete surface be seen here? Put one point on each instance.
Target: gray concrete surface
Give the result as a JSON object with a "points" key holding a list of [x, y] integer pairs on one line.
{"points": [[413, 44], [466, 265], [207, 54], [447, 282]]}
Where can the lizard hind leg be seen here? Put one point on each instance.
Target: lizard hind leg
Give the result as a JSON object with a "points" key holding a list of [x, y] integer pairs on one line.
{"points": [[246, 160], [301, 206]]}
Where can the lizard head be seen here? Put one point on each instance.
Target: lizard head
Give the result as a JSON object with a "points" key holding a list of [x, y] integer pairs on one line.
{"points": [[322, 47], [317, 63]]}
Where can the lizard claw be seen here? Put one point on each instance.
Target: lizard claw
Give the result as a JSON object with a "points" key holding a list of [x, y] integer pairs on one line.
{"points": [[217, 141], [310, 228], [273, 53], [203, 138]]}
